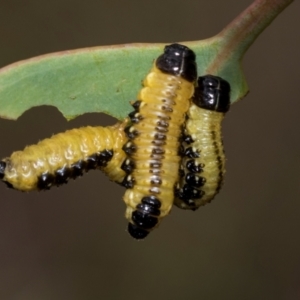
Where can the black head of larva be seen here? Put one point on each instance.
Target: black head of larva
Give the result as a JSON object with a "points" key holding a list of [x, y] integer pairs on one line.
{"points": [[178, 60], [212, 93]]}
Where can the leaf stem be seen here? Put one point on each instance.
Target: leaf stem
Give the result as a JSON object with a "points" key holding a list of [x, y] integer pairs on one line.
{"points": [[238, 35]]}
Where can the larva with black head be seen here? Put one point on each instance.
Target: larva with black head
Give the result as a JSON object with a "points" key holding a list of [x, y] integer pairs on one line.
{"points": [[152, 149], [203, 163], [66, 155]]}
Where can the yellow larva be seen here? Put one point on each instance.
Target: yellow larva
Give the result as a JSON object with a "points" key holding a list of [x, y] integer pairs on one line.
{"points": [[203, 163], [153, 143], [66, 155], [145, 155]]}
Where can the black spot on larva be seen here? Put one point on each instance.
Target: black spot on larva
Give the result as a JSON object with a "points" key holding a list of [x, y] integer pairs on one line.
{"points": [[131, 132], [179, 193], [135, 117], [92, 161], [194, 180], [152, 201], [193, 167], [155, 180], [169, 101], [62, 175], [77, 169], [178, 60], [99, 159], [136, 105], [144, 219], [188, 192], [107, 154], [155, 165], [45, 181], [155, 171], [128, 182], [2, 169], [212, 93], [160, 136], [187, 139], [136, 232], [191, 153], [104, 157], [128, 166], [161, 129], [190, 202], [129, 148], [154, 190], [158, 142], [149, 209], [167, 109], [158, 150], [162, 123]]}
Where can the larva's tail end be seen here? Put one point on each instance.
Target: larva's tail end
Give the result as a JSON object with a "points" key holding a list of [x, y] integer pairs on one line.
{"points": [[137, 232]]}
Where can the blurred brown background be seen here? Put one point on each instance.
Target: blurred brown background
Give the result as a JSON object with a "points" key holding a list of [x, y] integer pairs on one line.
{"points": [[71, 242]]}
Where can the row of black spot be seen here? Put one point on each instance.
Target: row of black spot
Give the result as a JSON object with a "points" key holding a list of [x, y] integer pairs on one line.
{"points": [[145, 216], [191, 189], [129, 148], [61, 176]]}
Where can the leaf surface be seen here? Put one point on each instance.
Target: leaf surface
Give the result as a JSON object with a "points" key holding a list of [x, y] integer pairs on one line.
{"points": [[106, 79]]}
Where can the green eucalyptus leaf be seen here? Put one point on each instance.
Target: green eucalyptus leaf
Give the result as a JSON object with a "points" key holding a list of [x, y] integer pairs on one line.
{"points": [[106, 79]]}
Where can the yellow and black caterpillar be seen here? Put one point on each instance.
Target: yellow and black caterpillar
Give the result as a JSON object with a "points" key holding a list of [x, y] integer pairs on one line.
{"points": [[66, 155], [154, 135], [169, 149], [203, 163]]}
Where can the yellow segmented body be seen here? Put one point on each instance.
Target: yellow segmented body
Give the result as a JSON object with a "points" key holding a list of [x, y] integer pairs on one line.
{"points": [[203, 163], [66, 155], [154, 143], [170, 151], [204, 127]]}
